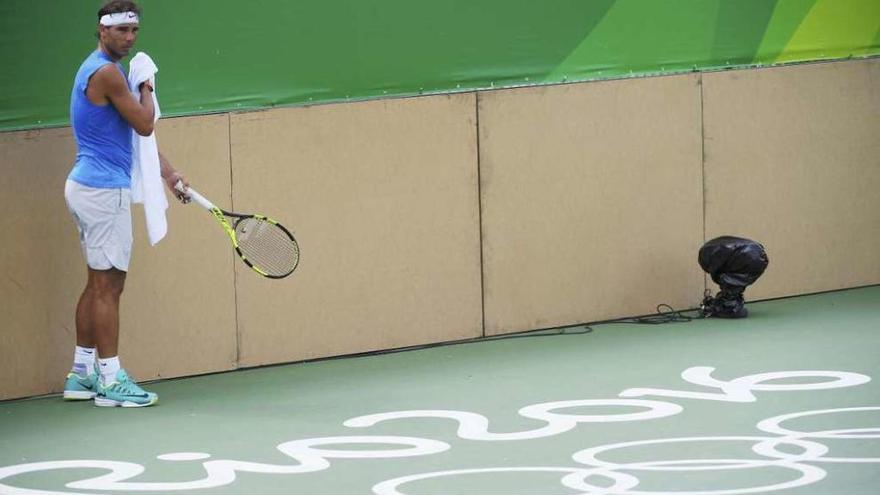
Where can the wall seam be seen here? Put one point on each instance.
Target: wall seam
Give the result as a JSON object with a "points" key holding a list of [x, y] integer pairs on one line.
{"points": [[703, 167], [237, 362], [480, 217]]}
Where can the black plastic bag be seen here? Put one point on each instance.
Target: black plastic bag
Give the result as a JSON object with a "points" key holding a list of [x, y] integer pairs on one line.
{"points": [[733, 263]]}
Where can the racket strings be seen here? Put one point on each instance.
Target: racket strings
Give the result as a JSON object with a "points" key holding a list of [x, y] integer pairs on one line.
{"points": [[267, 246]]}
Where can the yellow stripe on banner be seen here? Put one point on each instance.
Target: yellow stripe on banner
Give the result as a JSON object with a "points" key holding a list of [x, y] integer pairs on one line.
{"points": [[835, 29]]}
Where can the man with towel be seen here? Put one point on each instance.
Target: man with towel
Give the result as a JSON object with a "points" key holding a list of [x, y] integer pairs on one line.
{"points": [[104, 112]]}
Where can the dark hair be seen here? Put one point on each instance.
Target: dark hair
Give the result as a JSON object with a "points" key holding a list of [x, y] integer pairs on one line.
{"points": [[116, 6]]}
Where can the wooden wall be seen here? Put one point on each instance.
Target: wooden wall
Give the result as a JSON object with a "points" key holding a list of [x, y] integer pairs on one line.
{"points": [[793, 159], [450, 217], [592, 201]]}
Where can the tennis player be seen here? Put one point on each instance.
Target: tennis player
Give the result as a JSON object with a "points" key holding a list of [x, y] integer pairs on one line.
{"points": [[103, 113]]}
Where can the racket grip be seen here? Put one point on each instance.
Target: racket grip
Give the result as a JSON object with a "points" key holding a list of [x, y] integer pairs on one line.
{"points": [[198, 198]]}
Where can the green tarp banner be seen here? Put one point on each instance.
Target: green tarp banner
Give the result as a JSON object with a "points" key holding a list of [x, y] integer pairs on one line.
{"points": [[221, 55]]}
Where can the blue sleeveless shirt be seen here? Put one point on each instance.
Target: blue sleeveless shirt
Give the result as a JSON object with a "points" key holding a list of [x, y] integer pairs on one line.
{"points": [[103, 137]]}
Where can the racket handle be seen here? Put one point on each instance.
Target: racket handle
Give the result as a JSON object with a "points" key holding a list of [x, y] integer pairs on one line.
{"points": [[198, 198]]}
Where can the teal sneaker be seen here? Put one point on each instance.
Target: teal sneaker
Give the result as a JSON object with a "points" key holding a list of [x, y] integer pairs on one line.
{"points": [[124, 392], [78, 387]]}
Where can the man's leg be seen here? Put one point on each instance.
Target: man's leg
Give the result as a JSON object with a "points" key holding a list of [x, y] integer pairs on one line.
{"points": [[85, 334], [115, 388], [97, 331], [85, 326], [100, 313], [103, 218]]}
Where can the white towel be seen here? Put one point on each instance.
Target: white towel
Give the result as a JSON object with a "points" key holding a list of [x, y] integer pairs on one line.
{"points": [[146, 172]]}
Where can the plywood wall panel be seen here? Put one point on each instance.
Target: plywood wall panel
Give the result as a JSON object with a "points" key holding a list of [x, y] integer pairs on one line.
{"points": [[41, 268], [383, 199], [592, 208], [592, 201], [177, 312], [793, 161]]}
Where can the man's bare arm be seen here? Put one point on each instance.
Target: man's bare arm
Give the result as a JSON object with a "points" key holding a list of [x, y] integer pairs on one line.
{"points": [[171, 176], [112, 85]]}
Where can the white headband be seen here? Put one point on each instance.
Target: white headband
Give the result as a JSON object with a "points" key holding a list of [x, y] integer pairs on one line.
{"points": [[119, 18]]}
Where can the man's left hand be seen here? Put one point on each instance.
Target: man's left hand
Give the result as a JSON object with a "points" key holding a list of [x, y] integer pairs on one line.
{"points": [[172, 180]]}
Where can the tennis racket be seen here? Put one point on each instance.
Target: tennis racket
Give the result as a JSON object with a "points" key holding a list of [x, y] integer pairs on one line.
{"points": [[262, 243]]}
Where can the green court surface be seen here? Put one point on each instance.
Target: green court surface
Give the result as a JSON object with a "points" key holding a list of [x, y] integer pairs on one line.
{"points": [[786, 401]]}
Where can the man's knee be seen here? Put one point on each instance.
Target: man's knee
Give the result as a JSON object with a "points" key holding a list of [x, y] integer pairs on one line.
{"points": [[106, 283]]}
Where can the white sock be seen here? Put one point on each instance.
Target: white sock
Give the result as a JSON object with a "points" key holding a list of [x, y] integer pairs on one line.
{"points": [[109, 367], [83, 360]]}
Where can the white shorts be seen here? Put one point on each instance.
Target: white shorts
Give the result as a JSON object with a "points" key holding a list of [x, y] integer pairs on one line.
{"points": [[103, 219]]}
